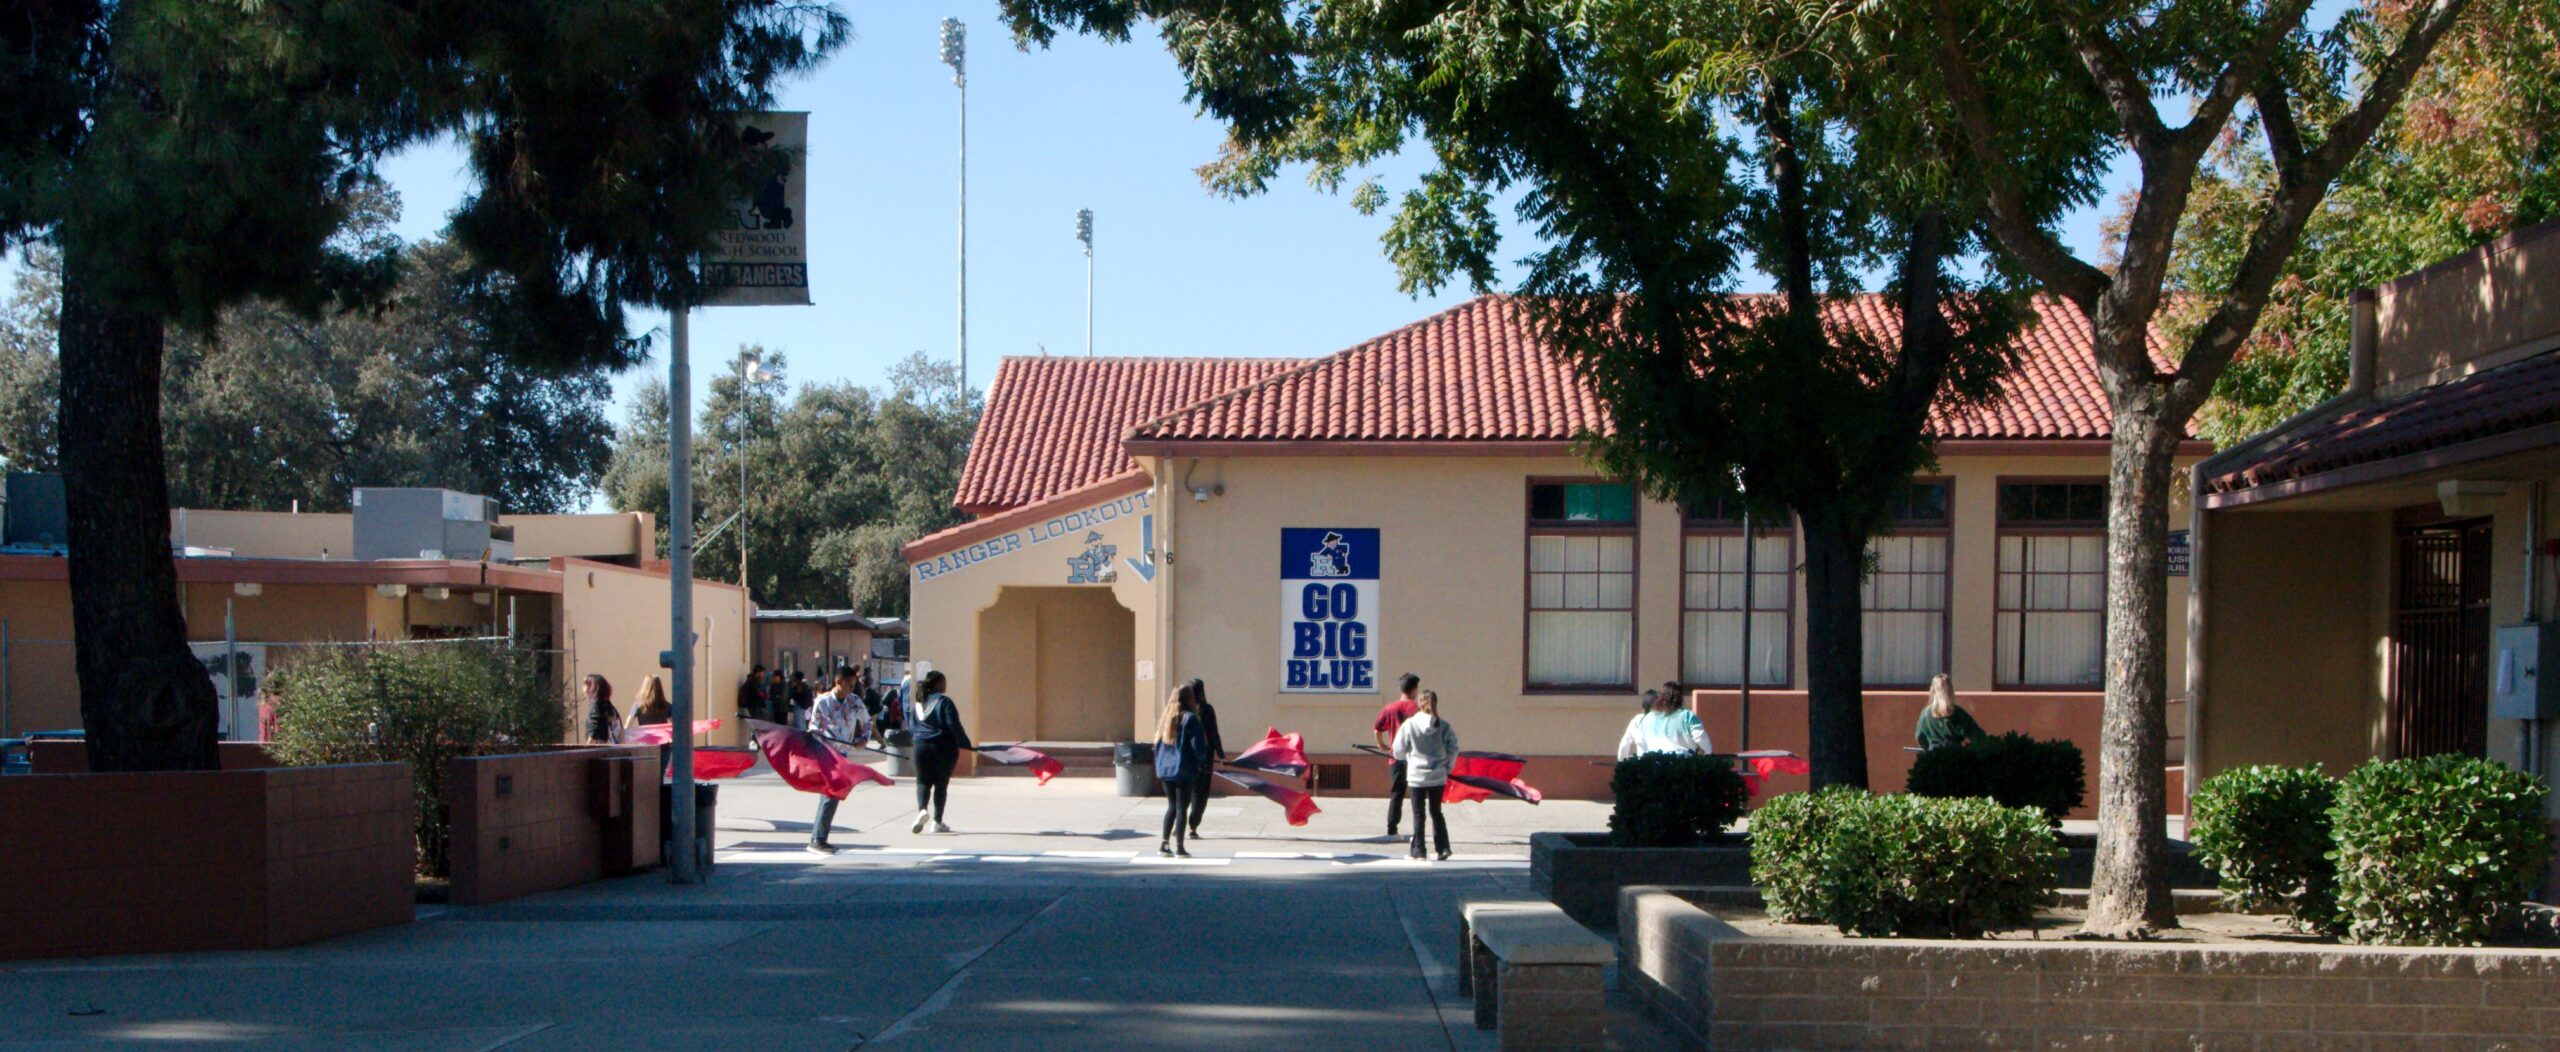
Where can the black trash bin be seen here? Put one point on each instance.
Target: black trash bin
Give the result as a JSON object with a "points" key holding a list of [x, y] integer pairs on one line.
{"points": [[901, 760], [706, 819], [1133, 764]]}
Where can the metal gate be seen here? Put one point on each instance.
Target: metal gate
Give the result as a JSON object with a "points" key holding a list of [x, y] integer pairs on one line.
{"points": [[2440, 641]]}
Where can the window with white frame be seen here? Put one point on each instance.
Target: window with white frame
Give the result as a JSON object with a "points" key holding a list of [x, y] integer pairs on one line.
{"points": [[1712, 557], [1904, 602], [1582, 586], [2051, 610]]}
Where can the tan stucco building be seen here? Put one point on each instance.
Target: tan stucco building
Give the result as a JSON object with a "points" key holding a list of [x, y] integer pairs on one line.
{"points": [[2360, 563], [1299, 533], [584, 587]]}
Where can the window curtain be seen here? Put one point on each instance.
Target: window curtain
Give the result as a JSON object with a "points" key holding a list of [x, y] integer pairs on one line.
{"points": [[1905, 604], [2052, 610], [1581, 610], [1711, 619]]}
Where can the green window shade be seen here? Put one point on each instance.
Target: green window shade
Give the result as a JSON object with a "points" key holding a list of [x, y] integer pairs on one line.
{"points": [[1582, 502]]}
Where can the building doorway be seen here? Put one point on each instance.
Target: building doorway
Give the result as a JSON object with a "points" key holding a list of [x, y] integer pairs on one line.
{"points": [[1057, 664], [2440, 641]]}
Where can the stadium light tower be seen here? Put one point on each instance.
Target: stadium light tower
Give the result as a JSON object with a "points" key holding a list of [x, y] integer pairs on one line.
{"points": [[1084, 233], [955, 54]]}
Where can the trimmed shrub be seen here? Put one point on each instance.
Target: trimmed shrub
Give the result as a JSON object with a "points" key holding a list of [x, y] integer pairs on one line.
{"points": [[2266, 831], [2438, 851], [424, 704], [1789, 835], [2016, 770], [1674, 799]]}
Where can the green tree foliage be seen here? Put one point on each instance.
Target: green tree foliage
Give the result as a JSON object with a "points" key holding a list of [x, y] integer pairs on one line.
{"points": [[2472, 155], [1656, 150], [188, 157], [272, 407], [837, 477]]}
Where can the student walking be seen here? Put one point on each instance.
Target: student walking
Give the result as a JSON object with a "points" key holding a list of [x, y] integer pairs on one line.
{"points": [[837, 718], [1217, 751], [1182, 763], [934, 724], [1427, 747], [604, 722], [1391, 719], [651, 706], [1664, 726]]}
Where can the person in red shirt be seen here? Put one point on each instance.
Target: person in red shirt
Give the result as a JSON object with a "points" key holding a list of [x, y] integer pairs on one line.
{"points": [[1389, 719]]}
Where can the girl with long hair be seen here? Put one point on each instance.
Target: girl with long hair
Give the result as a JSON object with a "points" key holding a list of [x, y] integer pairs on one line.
{"points": [[1182, 763], [604, 722], [1428, 748], [650, 705]]}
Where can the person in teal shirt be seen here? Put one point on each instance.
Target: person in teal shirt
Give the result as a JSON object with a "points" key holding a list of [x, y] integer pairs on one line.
{"points": [[1942, 721]]}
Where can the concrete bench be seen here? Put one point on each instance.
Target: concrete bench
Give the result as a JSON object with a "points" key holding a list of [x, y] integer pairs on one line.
{"points": [[1535, 974]]}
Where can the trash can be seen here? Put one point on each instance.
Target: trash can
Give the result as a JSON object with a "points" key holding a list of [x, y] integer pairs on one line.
{"points": [[706, 819], [901, 759], [1133, 764]]}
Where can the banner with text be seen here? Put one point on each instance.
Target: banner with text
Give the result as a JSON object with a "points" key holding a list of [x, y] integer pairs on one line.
{"points": [[1329, 611], [762, 258]]}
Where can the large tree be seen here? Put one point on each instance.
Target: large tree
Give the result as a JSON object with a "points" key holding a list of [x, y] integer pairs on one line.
{"points": [[1657, 149], [837, 477], [189, 156], [272, 408], [2174, 79]]}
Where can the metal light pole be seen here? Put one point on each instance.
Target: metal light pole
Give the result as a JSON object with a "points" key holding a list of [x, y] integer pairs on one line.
{"points": [[751, 371], [683, 868], [1750, 579], [1084, 233], [955, 54]]}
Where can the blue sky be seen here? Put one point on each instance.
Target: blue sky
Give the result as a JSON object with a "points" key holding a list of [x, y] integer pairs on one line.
{"points": [[1083, 124]]}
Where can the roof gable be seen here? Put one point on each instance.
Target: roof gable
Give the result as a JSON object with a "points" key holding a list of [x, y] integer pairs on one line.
{"points": [[1054, 424]]}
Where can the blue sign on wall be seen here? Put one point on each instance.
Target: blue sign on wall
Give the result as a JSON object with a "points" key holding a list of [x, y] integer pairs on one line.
{"points": [[1328, 610]]}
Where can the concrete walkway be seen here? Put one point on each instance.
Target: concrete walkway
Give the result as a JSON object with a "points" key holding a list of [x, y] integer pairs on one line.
{"points": [[1044, 921]]}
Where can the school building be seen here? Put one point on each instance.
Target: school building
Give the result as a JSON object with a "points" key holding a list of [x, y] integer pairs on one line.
{"points": [[2376, 575], [1297, 533], [417, 565]]}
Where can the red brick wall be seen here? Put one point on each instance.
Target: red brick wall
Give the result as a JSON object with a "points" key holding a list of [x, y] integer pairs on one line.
{"points": [[72, 757], [534, 822], [202, 860]]}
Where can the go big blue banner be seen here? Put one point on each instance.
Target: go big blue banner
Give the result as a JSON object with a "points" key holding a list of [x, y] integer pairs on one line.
{"points": [[1329, 611]]}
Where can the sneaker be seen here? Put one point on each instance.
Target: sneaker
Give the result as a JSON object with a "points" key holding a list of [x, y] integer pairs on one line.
{"points": [[820, 847], [922, 817], [1165, 848], [1195, 832], [940, 828], [1444, 856], [1181, 852]]}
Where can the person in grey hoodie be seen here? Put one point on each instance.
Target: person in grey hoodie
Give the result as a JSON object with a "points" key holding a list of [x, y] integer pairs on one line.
{"points": [[1427, 747]]}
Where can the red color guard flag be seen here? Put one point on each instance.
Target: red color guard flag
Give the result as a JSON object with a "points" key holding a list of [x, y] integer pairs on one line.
{"points": [[1276, 753], [1043, 766], [809, 765], [1300, 805], [1483, 775], [663, 733], [720, 761], [1759, 764]]}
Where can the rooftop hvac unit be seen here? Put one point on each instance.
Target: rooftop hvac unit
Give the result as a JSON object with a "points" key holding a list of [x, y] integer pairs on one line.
{"points": [[416, 523]]}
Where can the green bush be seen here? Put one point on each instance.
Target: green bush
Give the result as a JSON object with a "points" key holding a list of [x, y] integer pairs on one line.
{"points": [[2439, 850], [1788, 837], [2266, 830], [1903, 865], [424, 704], [2016, 770], [1674, 799]]}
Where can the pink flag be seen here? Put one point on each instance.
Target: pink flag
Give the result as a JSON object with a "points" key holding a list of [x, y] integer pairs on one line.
{"points": [[1043, 766], [1483, 775], [663, 733], [1300, 806], [807, 764], [1277, 753]]}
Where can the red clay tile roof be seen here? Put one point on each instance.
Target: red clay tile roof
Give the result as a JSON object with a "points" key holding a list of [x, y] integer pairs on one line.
{"points": [[1474, 373], [1054, 424], [2483, 405]]}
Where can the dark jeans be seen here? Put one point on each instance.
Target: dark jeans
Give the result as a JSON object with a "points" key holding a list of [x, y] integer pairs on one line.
{"points": [[1198, 807], [1395, 794], [825, 820], [1429, 794], [1179, 798], [933, 779]]}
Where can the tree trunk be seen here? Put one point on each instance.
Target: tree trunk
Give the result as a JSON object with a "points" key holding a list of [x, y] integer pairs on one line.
{"points": [[1835, 705], [145, 701], [2129, 892]]}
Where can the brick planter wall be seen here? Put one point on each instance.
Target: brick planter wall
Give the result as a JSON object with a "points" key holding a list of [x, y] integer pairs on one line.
{"points": [[1729, 990], [181, 861], [532, 822], [55, 756]]}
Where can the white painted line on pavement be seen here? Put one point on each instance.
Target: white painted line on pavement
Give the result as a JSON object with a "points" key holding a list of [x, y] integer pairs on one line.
{"points": [[1160, 861], [1004, 858], [1319, 856], [1099, 856]]}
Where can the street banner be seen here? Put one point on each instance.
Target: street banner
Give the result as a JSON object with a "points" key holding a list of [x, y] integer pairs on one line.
{"points": [[1329, 611], [762, 257]]}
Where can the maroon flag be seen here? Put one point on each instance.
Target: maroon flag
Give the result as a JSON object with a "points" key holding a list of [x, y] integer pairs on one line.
{"points": [[809, 765], [1759, 764], [1043, 766], [1483, 775], [1299, 805], [1277, 753]]}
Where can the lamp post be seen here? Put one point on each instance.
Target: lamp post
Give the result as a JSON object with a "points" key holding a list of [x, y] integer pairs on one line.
{"points": [[955, 54], [751, 371], [1750, 578], [1084, 233]]}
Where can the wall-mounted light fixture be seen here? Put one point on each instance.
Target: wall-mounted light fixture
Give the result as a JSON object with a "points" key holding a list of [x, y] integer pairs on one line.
{"points": [[439, 593], [391, 591], [2467, 498], [246, 588]]}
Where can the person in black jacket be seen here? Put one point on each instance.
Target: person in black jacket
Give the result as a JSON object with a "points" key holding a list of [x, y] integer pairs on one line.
{"points": [[934, 723], [1182, 763], [604, 722], [1217, 751], [751, 696]]}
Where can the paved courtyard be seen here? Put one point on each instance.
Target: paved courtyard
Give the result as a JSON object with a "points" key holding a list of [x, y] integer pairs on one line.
{"points": [[1044, 921]]}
